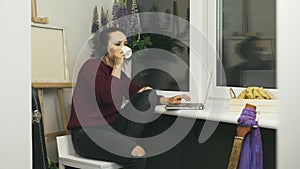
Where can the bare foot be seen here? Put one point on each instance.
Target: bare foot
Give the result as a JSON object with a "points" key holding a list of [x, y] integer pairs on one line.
{"points": [[138, 151]]}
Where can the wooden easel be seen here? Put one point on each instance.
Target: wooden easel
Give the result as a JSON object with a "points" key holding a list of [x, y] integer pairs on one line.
{"points": [[59, 86], [34, 16]]}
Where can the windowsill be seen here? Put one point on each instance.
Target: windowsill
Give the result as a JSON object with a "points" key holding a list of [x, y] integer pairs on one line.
{"points": [[218, 110]]}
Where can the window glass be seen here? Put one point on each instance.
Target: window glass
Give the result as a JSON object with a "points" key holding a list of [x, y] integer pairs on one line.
{"points": [[246, 42], [169, 51]]}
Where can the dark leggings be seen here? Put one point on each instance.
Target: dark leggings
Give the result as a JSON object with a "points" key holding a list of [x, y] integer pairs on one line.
{"points": [[88, 147]]}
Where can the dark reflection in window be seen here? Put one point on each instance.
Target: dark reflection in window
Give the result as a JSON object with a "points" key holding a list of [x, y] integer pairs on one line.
{"points": [[246, 42], [162, 79], [170, 50], [256, 65]]}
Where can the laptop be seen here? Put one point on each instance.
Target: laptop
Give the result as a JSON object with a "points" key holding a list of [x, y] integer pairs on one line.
{"points": [[190, 106]]}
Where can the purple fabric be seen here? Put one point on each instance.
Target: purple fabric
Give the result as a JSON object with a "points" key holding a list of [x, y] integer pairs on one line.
{"points": [[251, 154]]}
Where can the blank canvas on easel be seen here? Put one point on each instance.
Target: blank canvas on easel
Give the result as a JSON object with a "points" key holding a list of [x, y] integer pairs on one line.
{"points": [[48, 54]]}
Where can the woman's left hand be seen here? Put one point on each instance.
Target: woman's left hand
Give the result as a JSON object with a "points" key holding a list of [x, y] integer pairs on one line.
{"points": [[145, 88]]}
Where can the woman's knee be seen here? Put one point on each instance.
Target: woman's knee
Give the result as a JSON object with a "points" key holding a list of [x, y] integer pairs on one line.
{"points": [[145, 101]]}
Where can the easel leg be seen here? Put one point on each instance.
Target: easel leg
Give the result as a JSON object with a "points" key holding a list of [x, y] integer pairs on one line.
{"points": [[62, 109]]}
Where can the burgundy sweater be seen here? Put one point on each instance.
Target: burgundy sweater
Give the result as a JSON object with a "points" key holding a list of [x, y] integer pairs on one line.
{"points": [[97, 91]]}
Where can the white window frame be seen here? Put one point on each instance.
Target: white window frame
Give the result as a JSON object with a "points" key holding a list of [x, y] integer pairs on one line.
{"points": [[212, 30]]}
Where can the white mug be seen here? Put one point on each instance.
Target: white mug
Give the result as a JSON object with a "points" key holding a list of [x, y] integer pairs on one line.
{"points": [[127, 51]]}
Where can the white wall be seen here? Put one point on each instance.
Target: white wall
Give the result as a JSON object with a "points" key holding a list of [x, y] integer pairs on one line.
{"points": [[288, 37], [75, 17], [15, 113]]}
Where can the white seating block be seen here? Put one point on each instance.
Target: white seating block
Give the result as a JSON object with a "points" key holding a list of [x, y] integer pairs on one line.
{"points": [[68, 157]]}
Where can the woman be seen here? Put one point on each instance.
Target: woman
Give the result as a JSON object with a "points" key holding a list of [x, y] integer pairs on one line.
{"points": [[96, 102]]}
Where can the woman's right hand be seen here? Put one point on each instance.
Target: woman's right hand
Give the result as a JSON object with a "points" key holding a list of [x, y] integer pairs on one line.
{"points": [[175, 99], [119, 57]]}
